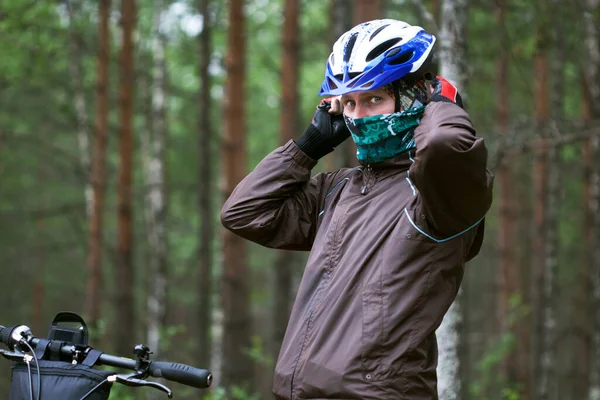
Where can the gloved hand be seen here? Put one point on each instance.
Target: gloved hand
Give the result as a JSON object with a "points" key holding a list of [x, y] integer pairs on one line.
{"points": [[324, 133], [445, 91]]}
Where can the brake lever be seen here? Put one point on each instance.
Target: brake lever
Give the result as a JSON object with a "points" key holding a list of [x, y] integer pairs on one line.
{"points": [[15, 356], [132, 380]]}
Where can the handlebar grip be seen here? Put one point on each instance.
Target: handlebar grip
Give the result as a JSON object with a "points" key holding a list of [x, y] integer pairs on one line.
{"points": [[181, 373]]}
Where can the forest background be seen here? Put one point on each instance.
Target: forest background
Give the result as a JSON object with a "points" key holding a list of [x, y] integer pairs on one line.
{"points": [[125, 124]]}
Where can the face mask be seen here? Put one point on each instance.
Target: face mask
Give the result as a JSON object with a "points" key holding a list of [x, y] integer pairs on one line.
{"points": [[382, 137]]}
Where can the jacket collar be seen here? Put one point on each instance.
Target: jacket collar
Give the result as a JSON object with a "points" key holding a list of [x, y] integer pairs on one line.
{"points": [[401, 162]]}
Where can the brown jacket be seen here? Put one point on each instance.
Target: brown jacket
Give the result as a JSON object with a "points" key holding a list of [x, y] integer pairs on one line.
{"points": [[388, 244]]}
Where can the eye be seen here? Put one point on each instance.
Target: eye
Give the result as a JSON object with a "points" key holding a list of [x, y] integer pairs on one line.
{"points": [[349, 103], [375, 99]]}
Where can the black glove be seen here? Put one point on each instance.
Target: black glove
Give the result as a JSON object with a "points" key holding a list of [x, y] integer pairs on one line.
{"points": [[445, 91], [324, 133]]}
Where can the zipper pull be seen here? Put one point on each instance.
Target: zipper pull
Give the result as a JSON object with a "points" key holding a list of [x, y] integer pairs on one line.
{"points": [[366, 175]]}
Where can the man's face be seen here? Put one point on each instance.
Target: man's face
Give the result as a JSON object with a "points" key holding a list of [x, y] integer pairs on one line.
{"points": [[368, 103]]}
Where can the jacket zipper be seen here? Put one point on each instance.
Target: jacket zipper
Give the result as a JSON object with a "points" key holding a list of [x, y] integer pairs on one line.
{"points": [[316, 301], [369, 179]]}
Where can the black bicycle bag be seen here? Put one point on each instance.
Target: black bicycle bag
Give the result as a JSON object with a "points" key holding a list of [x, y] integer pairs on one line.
{"points": [[61, 379]]}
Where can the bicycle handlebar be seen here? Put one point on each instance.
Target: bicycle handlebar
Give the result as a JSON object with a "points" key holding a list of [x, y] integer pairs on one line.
{"points": [[180, 373]]}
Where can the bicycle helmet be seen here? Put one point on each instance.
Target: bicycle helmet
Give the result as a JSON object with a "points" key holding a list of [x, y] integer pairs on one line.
{"points": [[377, 53]]}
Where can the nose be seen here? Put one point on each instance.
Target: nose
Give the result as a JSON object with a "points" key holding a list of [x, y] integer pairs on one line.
{"points": [[359, 111]]}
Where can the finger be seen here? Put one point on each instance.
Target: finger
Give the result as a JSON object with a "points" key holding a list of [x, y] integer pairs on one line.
{"points": [[336, 106]]}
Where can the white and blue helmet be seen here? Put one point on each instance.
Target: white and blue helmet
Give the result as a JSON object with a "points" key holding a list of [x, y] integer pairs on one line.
{"points": [[374, 54]]}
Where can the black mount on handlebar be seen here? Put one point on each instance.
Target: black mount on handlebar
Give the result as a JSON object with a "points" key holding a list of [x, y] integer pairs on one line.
{"points": [[142, 366], [61, 331], [67, 357]]}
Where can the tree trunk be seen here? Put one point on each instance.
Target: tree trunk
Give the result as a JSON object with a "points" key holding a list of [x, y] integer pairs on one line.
{"points": [[453, 60], [514, 366], [286, 261], [592, 197], [340, 21], [554, 184], [237, 365], [39, 288], [436, 11], [98, 171], [367, 10], [544, 354], [582, 361], [156, 207], [205, 256], [524, 222], [76, 72], [452, 39], [125, 323], [428, 20]]}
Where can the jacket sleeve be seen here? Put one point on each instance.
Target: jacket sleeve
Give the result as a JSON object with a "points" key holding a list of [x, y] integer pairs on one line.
{"points": [[449, 169], [276, 204]]}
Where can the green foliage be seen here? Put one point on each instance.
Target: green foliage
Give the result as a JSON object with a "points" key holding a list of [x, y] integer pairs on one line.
{"points": [[121, 392], [517, 309], [168, 334], [234, 393], [489, 366], [510, 394], [258, 352], [96, 333]]}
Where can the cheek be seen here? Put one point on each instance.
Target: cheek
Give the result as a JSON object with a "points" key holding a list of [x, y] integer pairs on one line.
{"points": [[386, 107]]}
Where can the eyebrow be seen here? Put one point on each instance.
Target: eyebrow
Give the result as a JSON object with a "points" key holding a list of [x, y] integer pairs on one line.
{"points": [[364, 94]]}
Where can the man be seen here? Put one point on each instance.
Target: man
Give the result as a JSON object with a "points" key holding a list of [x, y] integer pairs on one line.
{"points": [[388, 241]]}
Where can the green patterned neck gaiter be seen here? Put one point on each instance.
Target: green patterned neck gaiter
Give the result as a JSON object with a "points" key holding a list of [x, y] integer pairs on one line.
{"points": [[382, 137]]}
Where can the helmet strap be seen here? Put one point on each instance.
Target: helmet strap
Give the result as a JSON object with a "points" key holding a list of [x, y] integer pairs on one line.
{"points": [[396, 89]]}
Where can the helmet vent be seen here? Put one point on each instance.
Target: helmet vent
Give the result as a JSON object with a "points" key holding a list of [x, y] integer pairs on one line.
{"points": [[332, 83], [402, 58], [377, 31], [377, 51], [349, 47]]}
